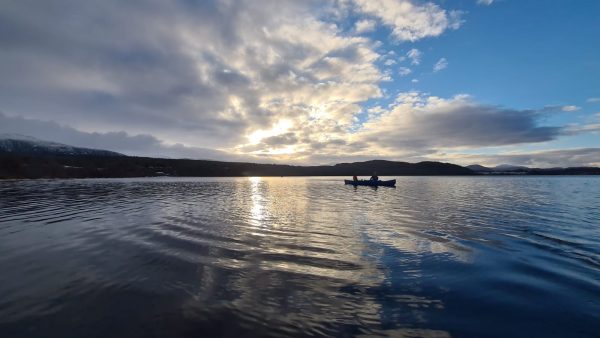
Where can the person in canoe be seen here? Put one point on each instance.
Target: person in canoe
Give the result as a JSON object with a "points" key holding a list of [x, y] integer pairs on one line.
{"points": [[354, 178], [374, 177]]}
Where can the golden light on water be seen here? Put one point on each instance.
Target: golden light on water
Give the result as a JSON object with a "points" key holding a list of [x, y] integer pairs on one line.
{"points": [[258, 211]]}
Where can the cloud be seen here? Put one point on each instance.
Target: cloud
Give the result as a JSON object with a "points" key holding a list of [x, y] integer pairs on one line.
{"points": [[485, 2], [593, 100], [365, 26], [403, 71], [575, 129], [135, 145], [282, 139], [415, 56], [204, 73], [417, 121], [182, 77], [578, 157], [410, 21], [417, 127], [570, 108], [441, 64]]}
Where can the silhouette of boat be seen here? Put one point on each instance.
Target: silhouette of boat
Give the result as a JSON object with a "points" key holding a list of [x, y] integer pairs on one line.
{"points": [[389, 183]]}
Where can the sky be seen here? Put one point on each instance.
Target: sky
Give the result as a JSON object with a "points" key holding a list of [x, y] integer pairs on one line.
{"points": [[308, 82]]}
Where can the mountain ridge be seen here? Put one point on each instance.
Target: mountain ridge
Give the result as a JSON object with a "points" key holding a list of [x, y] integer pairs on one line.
{"points": [[28, 145], [27, 157]]}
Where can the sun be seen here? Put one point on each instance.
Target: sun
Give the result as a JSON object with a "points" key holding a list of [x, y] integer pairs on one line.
{"points": [[279, 128]]}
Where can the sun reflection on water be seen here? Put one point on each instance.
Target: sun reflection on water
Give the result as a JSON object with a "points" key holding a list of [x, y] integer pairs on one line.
{"points": [[258, 211]]}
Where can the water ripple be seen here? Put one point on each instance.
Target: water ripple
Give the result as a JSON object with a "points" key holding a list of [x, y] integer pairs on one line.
{"points": [[434, 257]]}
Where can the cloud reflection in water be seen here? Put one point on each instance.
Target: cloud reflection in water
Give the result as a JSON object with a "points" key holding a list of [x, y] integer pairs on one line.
{"points": [[292, 256]]}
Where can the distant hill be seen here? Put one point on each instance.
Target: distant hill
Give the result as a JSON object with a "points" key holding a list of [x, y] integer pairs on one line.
{"points": [[27, 145], [390, 168], [507, 169], [479, 168], [27, 157], [70, 166], [498, 168]]}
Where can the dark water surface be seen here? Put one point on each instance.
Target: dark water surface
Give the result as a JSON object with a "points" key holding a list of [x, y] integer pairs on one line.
{"points": [[199, 257]]}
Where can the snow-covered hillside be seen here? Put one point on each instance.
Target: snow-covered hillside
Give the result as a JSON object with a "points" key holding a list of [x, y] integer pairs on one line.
{"points": [[27, 145]]}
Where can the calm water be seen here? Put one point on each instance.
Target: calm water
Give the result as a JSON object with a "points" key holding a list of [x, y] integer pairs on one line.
{"points": [[434, 257]]}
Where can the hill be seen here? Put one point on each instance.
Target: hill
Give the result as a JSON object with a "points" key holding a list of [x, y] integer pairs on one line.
{"points": [[507, 169], [70, 166], [27, 157], [27, 145]]}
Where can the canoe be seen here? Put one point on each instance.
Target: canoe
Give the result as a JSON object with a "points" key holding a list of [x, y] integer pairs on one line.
{"points": [[390, 183]]}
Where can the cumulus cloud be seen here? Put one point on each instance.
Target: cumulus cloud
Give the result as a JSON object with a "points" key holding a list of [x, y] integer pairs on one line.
{"points": [[181, 78], [441, 64], [429, 122], [410, 21], [485, 2], [593, 99], [365, 26], [205, 73], [418, 127], [415, 56]]}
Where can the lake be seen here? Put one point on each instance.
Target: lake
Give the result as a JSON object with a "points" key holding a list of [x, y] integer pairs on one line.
{"points": [[230, 257]]}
